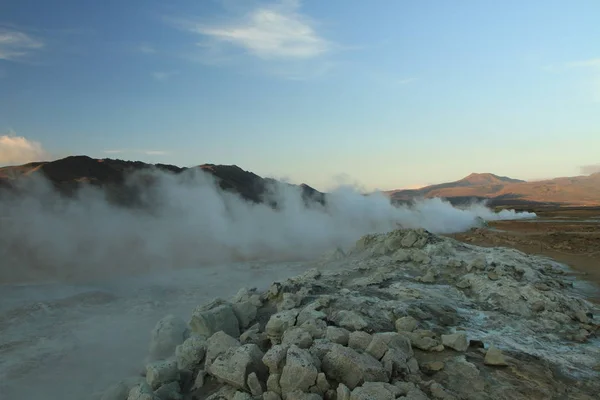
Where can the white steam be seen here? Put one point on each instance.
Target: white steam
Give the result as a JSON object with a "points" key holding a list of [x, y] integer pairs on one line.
{"points": [[187, 221]]}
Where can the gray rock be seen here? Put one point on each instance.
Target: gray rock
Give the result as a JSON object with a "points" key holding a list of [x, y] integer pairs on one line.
{"points": [[352, 368], [321, 347], [120, 390], [279, 323], [337, 335], [299, 395], [254, 385], [224, 393], [395, 363], [161, 372], [143, 391], [397, 341], [316, 328], [349, 320], [322, 383], [289, 301], [170, 391], [311, 312], [343, 392], [190, 353], [422, 340], [413, 366], [199, 381], [378, 347], [299, 372], [457, 341], [245, 312], [271, 396], [166, 335], [359, 340], [538, 306], [495, 357], [274, 358], [233, 366], [242, 396], [372, 391], [273, 383], [220, 318], [218, 344], [298, 337], [406, 324]]}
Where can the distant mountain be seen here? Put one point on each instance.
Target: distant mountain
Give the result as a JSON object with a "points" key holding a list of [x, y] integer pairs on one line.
{"points": [[68, 174], [501, 190]]}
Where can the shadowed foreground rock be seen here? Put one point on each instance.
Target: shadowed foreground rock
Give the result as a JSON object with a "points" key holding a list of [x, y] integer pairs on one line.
{"points": [[376, 329]]}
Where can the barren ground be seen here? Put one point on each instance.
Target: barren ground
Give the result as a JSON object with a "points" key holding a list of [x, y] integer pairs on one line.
{"points": [[569, 236]]}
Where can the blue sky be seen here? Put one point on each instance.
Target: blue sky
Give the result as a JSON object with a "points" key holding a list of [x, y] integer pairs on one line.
{"points": [[385, 94]]}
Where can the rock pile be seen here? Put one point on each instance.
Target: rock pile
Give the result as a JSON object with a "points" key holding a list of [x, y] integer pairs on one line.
{"points": [[411, 316]]}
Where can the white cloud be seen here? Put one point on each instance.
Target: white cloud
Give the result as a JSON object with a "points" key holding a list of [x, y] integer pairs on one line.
{"points": [[595, 62], [278, 31], [146, 49], [405, 81], [20, 150], [163, 76], [15, 45]]}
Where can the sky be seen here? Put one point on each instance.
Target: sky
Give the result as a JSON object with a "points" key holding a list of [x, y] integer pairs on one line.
{"points": [[384, 94]]}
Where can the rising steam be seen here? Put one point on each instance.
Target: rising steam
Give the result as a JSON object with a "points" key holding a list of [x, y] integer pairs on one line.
{"points": [[186, 220]]}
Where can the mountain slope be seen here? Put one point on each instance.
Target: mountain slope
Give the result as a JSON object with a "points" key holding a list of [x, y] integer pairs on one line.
{"points": [[500, 190], [70, 173]]}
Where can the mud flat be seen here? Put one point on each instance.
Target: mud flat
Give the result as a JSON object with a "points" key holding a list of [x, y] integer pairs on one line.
{"points": [[407, 315]]}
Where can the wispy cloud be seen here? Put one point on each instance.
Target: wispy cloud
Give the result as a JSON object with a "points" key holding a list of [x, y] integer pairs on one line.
{"points": [[592, 63], [15, 45], [405, 81], [19, 150], [163, 75], [590, 169], [277, 31], [146, 49]]}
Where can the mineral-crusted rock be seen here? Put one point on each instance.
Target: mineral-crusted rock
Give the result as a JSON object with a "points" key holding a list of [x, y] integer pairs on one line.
{"points": [[233, 366], [167, 334], [494, 356], [279, 323], [349, 320], [432, 367], [220, 318], [337, 335], [170, 391], [161, 372], [343, 392], [271, 396], [377, 348], [372, 390], [190, 353], [274, 358], [254, 384], [245, 312], [457, 341], [352, 368], [273, 383], [143, 391], [316, 328], [297, 336], [242, 396], [422, 339], [218, 344], [311, 312], [299, 372], [359, 340], [299, 395], [406, 324]]}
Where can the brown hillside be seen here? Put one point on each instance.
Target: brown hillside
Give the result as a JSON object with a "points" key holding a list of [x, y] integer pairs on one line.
{"points": [[579, 190]]}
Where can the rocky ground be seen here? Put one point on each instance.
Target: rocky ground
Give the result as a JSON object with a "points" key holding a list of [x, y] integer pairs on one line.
{"points": [[410, 315], [569, 236]]}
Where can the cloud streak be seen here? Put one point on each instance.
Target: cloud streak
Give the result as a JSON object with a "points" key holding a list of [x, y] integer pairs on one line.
{"points": [[15, 45], [278, 31], [20, 150], [592, 63]]}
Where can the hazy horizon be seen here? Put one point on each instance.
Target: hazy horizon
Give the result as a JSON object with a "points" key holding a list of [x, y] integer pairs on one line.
{"points": [[402, 94]]}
